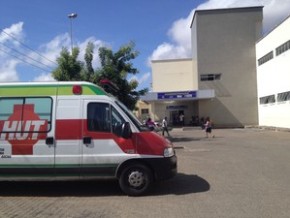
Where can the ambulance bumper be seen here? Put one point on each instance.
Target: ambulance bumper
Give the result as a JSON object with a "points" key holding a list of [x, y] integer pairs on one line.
{"points": [[164, 168]]}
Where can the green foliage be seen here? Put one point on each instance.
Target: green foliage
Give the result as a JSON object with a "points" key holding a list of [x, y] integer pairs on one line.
{"points": [[69, 67], [114, 67], [88, 71]]}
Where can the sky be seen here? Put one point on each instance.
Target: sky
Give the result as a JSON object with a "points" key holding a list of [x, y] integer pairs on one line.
{"points": [[33, 32]]}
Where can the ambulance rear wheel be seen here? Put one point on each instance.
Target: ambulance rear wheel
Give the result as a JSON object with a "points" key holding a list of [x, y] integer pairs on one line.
{"points": [[135, 179]]}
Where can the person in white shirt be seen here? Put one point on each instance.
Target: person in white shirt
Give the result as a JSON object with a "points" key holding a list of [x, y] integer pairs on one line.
{"points": [[208, 127], [165, 126]]}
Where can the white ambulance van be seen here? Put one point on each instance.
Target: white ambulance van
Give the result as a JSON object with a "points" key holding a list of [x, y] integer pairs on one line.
{"points": [[75, 130]]}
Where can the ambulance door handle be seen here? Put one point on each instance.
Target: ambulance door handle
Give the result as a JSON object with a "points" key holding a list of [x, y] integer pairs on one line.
{"points": [[49, 141], [87, 140]]}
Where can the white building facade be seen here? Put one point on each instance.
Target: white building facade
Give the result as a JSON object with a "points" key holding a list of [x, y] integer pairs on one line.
{"points": [[273, 77]]}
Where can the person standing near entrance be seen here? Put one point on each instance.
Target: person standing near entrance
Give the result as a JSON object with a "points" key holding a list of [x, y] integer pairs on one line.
{"points": [[181, 119], [165, 126]]}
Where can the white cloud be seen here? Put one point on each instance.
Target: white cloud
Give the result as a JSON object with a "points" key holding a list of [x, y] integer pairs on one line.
{"points": [[179, 45], [8, 65], [13, 54], [169, 51], [44, 78], [274, 10], [8, 71], [143, 79], [180, 37], [44, 57], [97, 44], [15, 31], [51, 50]]}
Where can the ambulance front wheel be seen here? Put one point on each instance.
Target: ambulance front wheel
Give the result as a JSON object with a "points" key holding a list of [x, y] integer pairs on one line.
{"points": [[135, 179]]}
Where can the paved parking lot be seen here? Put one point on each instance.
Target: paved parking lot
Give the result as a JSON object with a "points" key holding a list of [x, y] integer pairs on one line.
{"points": [[239, 173]]}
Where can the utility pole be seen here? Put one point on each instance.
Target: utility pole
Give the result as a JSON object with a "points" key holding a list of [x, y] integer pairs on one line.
{"points": [[71, 17]]}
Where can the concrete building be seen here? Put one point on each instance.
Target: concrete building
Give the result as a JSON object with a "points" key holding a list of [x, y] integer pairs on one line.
{"points": [[273, 64], [220, 80]]}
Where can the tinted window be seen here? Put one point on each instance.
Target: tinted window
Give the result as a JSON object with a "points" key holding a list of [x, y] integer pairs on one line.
{"points": [[26, 114], [102, 117]]}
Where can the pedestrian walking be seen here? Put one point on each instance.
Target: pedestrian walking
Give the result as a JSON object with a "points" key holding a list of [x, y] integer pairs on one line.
{"points": [[165, 126], [208, 127]]}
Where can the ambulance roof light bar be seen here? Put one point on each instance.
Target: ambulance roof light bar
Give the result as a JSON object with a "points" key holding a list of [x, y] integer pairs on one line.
{"points": [[109, 86]]}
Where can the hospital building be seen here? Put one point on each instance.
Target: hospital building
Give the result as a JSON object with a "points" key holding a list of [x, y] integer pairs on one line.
{"points": [[237, 76]]}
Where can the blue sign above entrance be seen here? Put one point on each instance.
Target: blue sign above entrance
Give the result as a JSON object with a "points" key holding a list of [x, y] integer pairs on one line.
{"points": [[176, 95]]}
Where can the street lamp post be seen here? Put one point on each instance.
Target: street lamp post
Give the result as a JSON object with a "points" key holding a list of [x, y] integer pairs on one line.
{"points": [[71, 17]]}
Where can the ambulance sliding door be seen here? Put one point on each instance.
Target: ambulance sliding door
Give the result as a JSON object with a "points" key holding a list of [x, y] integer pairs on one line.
{"points": [[68, 137]]}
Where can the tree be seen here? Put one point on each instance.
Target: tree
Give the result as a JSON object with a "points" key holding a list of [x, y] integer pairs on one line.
{"points": [[69, 67], [116, 67], [87, 73]]}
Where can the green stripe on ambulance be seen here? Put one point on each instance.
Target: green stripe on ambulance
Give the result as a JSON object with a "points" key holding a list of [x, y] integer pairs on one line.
{"points": [[48, 90]]}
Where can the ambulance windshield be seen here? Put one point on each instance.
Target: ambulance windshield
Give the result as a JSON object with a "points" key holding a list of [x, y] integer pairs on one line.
{"points": [[132, 117]]}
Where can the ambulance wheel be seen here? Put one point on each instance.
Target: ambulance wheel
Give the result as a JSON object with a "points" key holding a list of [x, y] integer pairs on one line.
{"points": [[135, 179]]}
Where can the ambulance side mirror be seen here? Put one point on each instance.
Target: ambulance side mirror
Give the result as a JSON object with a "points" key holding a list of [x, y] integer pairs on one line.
{"points": [[126, 130]]}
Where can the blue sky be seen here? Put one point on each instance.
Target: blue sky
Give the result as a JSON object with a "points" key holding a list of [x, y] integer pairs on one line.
{"points": [[36, 30]]}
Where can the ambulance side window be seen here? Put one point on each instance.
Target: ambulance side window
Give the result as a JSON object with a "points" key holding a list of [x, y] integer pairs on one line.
{"points": [[99, 117], [43, 108], [104, 118], [7, 107], [26, 114]]}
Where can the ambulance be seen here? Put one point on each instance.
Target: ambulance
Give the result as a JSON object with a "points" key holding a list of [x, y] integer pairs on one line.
{"points": [[77, 131]]}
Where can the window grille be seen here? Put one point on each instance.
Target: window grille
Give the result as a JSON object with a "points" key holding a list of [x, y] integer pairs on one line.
{"points": [[284, 96], [266, 58], [267, 99], [210, 77], [283, 48]]}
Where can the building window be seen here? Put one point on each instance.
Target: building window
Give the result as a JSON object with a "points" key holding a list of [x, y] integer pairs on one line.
{"points": [[267, 99], [283, 48], [265, 58], [284, 96], [144, 111], [210, 77]]}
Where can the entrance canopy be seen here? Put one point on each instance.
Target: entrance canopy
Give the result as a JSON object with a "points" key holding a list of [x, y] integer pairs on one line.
{"points": [[179, 95]]}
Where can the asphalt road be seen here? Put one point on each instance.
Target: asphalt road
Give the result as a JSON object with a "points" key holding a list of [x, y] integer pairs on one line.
{"points": [[239, 173]]}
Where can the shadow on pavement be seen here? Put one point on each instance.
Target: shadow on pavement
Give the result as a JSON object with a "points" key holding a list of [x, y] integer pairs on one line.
{"points": [[184, 139], [179, 185], [61, 188]]}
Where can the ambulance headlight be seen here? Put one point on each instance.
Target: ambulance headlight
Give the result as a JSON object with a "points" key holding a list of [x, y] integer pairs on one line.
{"points": [[168, 152]]}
